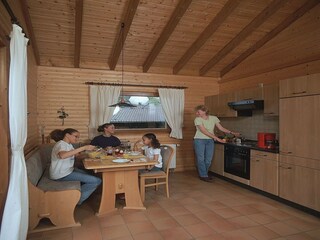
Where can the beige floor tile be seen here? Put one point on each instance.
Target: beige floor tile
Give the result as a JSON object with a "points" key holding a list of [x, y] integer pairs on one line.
{"points": [[214, 205], [227, 212], [242, 222], [175, 211], [262, 218], [113, 220], [302, 225], [261, 233], [148, 236], [221, 225], [178, 233], [141, 227], [195, 207], [245, 209], [65, 234], [315, 234], [115, 232], [282, 228], [135, 217], [87, 233], [215, 236], [279, 214], [262, 207], [187, 219], [165, 223], [199, 230], [300, 236], [237, 235], [153, 214], [207, 216]]}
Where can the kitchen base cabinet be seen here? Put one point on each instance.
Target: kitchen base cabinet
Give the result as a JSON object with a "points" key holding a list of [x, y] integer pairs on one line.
{"points": [[264, 171], [217, 165], [300, 185]]}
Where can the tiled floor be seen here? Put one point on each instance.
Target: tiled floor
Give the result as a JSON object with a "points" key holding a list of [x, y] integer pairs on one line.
{"points": [[195, 210]]}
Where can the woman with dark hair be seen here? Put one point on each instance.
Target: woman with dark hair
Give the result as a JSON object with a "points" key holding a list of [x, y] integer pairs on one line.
{"points": [[204, 139], [106, 139], [62, 162], [152, 150]]}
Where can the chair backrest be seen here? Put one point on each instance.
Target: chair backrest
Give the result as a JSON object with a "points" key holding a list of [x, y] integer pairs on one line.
{"points": [[138, 145], [167, 154], [35, 167]]}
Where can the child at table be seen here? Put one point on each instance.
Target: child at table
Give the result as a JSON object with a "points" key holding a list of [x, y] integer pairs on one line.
{"points": [[152, 150]]}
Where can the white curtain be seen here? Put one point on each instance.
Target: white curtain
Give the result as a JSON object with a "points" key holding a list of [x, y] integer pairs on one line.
{"points": [[16, 212], [172, 101], [100, 112]]}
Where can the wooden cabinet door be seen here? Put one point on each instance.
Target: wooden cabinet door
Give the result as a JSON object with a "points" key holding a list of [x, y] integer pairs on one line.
{"points": [[299, 184], [256, 173], [270, 176], [300, 86], [271, 99], [217, 165], [212, 102], [255, 93], [299, 126], [224, 109]]}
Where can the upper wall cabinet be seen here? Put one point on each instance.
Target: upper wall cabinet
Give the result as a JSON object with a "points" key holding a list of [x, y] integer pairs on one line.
{"points": [[255, 93], [212, 102], [271, 99], [224, 109], [300, 86], [218, 105]]}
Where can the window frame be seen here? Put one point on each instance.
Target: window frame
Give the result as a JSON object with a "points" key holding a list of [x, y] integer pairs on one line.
{"points": [[143, 94]]}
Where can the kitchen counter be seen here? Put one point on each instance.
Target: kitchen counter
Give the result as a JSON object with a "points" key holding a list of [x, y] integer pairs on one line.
{"points": [[252, 145]]}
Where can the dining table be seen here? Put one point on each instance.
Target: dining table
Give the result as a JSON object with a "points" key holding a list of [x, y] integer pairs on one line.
{"points": [[120, 174]]}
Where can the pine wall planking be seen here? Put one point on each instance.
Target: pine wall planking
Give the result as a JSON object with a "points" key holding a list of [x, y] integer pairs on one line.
{"points": [[65, 87], [268, 77]]}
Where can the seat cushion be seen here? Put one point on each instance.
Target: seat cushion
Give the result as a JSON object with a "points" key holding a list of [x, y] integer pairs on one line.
{"points": [[46, 184], [35, 168], [153, 174]]}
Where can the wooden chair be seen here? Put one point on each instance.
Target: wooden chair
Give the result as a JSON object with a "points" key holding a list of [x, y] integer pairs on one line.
{"points": [[167, 154]]}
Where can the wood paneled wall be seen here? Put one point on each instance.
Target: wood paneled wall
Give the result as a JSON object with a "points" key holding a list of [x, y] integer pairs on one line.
{"points": [[294, 52], [59, 87], [268, 77]]}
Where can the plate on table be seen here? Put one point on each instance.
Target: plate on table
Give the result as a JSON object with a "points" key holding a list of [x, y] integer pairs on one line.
{"points": [[134, 153], [120, 160]]}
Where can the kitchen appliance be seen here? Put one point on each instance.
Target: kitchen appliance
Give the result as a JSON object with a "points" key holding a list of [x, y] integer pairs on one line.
{"points": [[246, 105], [237, 161], [266, 140]]}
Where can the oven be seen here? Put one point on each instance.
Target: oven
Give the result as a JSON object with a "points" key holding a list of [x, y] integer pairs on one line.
{"points": [[237, 161]]}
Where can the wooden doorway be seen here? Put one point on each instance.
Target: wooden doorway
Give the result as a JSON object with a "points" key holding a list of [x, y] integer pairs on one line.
{"points": [[4, 124]]}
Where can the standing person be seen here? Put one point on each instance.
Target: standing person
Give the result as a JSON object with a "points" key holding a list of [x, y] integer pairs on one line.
{"points": [[204, 140], [62, 162], [106, 139], [152, 150]]}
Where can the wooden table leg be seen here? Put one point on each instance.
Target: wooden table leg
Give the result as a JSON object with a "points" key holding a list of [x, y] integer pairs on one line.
{"points": [[108, 197], [132, 194]]}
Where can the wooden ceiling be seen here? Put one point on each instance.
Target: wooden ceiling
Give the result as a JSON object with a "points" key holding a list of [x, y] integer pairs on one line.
{"points": [[190, 37]]}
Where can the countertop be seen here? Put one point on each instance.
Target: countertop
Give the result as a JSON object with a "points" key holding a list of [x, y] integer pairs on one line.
{"points": [[252, 145]]}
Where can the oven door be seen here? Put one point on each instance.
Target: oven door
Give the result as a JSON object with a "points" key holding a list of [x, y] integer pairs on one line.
{"points": [[237, 161]]}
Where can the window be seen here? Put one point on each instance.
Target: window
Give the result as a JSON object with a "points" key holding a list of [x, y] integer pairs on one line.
{"points": [[147, 114]]}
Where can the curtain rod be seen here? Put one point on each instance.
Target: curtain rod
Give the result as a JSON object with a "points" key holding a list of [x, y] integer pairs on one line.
{"points": [[14, 19], [134, 85]]}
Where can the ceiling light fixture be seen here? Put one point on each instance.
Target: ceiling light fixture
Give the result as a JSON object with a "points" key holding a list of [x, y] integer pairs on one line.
{"points": [[122, 103]]}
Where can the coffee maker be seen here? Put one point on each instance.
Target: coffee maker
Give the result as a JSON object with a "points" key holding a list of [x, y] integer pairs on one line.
{"points": [[267, 140]]}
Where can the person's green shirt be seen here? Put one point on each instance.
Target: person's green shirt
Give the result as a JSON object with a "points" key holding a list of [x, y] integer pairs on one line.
{"points": [[208, 124]]}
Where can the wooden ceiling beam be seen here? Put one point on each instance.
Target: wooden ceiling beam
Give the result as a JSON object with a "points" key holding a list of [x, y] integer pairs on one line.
{"points": [[256, 22], [127, 20], [283, 25], [175, 18], [78, 32], [32, 38], [206, 34]]}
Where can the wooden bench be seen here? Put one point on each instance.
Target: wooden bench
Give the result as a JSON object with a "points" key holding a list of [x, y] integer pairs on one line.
{"points": [[48, 198]]}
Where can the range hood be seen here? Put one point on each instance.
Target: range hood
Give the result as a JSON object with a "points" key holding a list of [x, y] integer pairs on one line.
{"points": [[245, 107]]}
